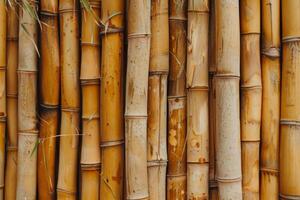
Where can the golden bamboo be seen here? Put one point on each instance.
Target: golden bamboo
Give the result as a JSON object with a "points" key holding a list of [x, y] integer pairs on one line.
{"points": [[112, 97], [197, 100], [251, 96], [228, 148], [136, 99], [157, 100], [90, 85], [270, 61], [12, 101], [290, 105], [27, 100]]}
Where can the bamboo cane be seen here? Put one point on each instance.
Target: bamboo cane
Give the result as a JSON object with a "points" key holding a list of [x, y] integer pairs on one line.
{"points": [[228, 148], [27, 93], [136, 99], [197, 100], [12, 101], [290, 105], [157, 101], [90, 80], [176, 173], [271, 99], [112, 96], [251, 96], [49, 101]]}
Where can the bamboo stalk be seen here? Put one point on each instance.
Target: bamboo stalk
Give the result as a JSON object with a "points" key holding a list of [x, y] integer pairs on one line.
{"points": [[12, 101], [136, 99], [157, 101], [112, 96], [290, 106], [251, 96], [27, 93], [197, 100], [90, 84], [271, 99], [176, 173], [228, 151]]}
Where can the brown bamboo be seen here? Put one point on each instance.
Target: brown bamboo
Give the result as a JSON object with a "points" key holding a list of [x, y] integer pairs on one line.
{"points": [[27, 100], [12, 101], [290, 105], [90, 84], [251, 96], [197, 100], [270, 61], [136, 98], [228, 148], [157, 101], [176, 172]]}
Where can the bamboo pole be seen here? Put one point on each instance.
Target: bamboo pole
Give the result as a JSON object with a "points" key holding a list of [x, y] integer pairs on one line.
{"points": [[90, 84], [112, 97], [12, 101], [197, 100], [251, 96], [176, 172], [136, 99], [228, 148], [290, 105], [27, 93], [157, 101]]}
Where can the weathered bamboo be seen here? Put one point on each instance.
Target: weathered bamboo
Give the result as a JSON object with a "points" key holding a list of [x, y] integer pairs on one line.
{"points": [[12, 101], [251, 96], [270, 61], [112, 97], [176, 173], [136, 99], [90, 85], [197, 100], [27, 100], [290, 104], [157, 100], [228, 148]]}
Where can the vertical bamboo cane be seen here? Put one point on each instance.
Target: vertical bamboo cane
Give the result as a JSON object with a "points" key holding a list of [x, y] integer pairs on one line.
{"points": [[90, 84], [176, 178], [27, 91], [228, 148], [112, 113], [49, 90], [197, 100], [271, 99], [12, 101], [290, 105], [251, 96], [157, 101], [136, 98]]}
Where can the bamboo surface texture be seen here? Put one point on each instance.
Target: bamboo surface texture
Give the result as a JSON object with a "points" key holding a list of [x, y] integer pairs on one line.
{"points": [[197, 100], [157, 100], [27, 101], [270, 62]]}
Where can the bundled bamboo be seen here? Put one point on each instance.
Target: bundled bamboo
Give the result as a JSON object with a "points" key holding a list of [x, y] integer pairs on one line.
{"points": [[197, 100], [251, 96], [27, 99], [271, 99], [157, 101], [90, 85], [228, 151], [290, 105], [176, 178], [12, 101], [112, 113], [136, 99]]}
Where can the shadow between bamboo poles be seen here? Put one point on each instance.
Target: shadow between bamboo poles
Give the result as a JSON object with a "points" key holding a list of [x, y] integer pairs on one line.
{"points": [[269, 187]]}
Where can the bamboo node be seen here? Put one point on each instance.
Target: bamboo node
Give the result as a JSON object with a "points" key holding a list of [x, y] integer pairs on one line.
{"points": [[90, 166], [22, 71], [142, 198], [251, 87], [128, 116], [290, 39], [138, 35], [289, 122], [229, 180], [250, 33], [176, 97], [61, 190], [11, 148], [154, 163], [68, 109], [176, 175], [90, 44], [67, 10], [206, 11], [269, 171], [229, 76], [158, 73], [198, 88], [12, 95], [1, 186], [48, 106], [110, 30], [173, 18], [94, 81], [28, 133], [272, 52], [48, 13], [213, 184], [111, 143], [289, 197], [3, 68], [3, 118]]}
